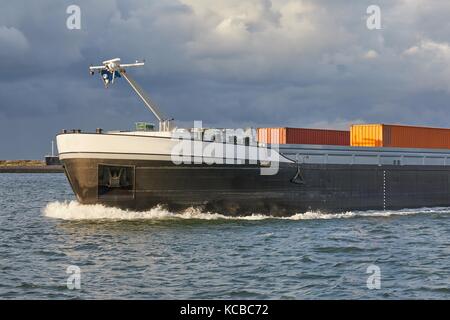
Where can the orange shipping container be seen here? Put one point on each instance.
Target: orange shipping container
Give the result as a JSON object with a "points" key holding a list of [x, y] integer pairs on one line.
{"points": [[303, 136], [397, 136], [366, 135]]}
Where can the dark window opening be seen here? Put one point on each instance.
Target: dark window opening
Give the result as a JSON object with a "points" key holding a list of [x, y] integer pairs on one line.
{"points": [[115, 182]]}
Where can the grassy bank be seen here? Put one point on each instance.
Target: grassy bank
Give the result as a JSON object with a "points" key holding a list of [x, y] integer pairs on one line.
{"points": [[22, 163], [28, 166]]}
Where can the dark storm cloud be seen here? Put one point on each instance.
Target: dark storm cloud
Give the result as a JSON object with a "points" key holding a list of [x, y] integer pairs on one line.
{"points": [[227, 62]]}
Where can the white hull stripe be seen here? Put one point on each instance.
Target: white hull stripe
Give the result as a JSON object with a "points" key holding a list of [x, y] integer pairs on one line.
{"points": [[117, 156], [131, 156]]}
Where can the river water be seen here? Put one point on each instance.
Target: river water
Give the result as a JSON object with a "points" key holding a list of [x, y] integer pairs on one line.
{"points": [[49, 244]]}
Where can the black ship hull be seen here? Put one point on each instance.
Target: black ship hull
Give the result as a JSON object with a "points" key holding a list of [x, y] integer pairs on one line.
{"points": [[241, 189]]}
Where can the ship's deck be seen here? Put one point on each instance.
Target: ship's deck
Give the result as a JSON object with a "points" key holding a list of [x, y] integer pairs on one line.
{"points": [[326, 154]]}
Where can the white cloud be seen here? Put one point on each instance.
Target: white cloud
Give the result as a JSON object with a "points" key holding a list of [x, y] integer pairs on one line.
{"points": [[432, 65], [337, 124], [371, 54], [411, 51], [439, 50], [258, 38], [12, 41]]}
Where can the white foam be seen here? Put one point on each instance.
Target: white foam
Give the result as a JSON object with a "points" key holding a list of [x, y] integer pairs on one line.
{"points": [[72, 210], [370, 213]]}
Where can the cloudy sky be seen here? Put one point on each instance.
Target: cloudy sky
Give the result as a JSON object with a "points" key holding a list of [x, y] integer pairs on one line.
{"points": [[230, 63]]}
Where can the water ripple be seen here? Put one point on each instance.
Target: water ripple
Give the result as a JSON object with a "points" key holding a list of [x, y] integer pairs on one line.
{"points": [[159, 254]]}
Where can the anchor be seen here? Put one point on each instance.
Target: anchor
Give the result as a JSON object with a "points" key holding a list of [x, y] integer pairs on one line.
{"points": [[114, 178], [298, 178]]}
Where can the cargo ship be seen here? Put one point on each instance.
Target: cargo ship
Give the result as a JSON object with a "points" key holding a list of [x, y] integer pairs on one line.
{"points": [[274, 171]]}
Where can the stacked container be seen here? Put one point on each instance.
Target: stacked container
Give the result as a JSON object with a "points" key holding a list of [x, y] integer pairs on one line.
{"points": [[303, 136], [396, 136]]}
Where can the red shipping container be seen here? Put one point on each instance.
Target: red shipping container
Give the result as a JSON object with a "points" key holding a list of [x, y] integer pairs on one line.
{"points": [[303, 136]]}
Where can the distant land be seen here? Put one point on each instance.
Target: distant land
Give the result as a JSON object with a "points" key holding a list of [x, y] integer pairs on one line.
{"points": [[28, 166]]}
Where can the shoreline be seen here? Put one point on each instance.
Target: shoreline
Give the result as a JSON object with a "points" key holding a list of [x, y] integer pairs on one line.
{"points": [[32, 169]]}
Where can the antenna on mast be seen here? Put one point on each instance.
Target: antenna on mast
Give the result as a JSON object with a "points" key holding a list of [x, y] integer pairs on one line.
{"points": [[112, 69]]}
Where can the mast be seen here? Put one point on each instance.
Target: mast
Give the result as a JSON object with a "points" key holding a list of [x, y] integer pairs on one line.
{"points": [[112, 69], [164, 124]]}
